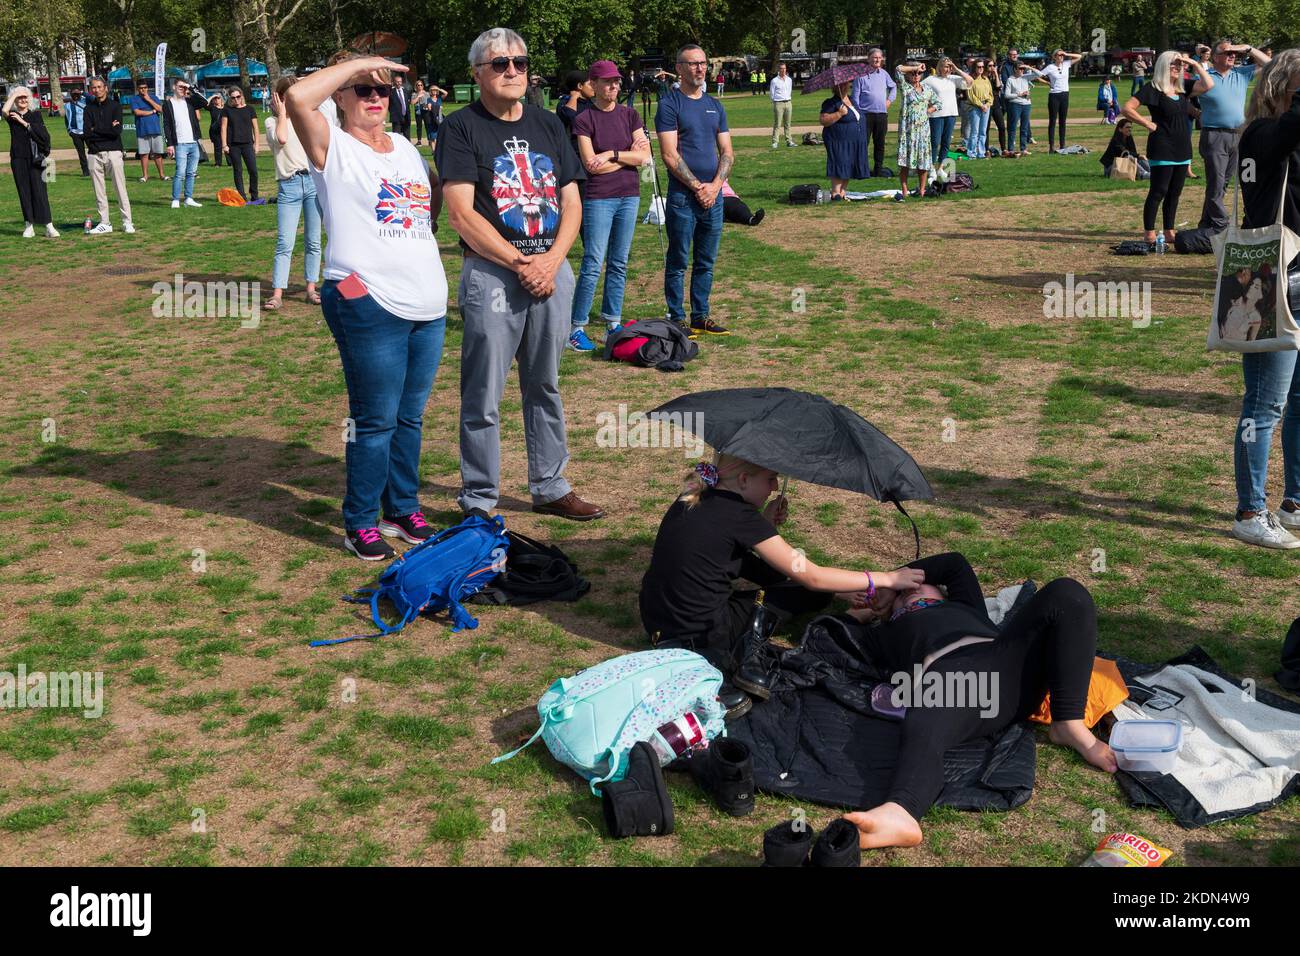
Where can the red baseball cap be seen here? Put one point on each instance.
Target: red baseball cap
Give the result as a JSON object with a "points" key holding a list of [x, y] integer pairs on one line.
{"points": [[604, 70]]}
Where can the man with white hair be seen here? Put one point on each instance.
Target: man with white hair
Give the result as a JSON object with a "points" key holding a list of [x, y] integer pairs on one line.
{"points": [[874, 93], [510, 182]]}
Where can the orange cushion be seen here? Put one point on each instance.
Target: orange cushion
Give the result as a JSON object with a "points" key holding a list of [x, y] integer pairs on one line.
{"points": [[1106, 691], [229, 197]]}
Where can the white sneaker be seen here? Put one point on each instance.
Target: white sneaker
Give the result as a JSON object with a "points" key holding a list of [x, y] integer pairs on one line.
{"points": [[144, 179], [100, 229], [51, 231], [126, 226], [1264, 530], [29, 232], [1289, 519], [192, 204], [176, 204]]}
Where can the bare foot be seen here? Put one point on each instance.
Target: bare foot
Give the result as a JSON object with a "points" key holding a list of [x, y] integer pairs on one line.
{"points": [[885, 825], [1076, 735]]}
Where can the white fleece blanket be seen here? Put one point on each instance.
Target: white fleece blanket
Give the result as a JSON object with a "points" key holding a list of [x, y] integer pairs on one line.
{"points": [[1236, 752]]}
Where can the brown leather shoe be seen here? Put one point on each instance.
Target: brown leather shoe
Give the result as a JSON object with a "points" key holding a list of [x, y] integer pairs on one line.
{"points": [[572, 507]]}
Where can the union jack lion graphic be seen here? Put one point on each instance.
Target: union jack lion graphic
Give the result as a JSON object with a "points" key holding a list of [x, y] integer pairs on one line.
{"points": [[524, 186]]}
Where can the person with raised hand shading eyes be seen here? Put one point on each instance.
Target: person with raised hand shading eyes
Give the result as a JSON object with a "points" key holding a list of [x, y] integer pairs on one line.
{"points": [[384, 294]]}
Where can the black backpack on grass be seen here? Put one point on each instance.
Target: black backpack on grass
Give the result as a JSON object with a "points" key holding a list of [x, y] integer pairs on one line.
{"points": [[805, 195], [534, 572]]}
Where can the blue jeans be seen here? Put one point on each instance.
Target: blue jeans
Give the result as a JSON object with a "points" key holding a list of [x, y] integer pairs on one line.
{"points": [[187, 164], [977, 146], [941, 128], [1017, 114], [695, 232], [607, 226], [296, 195], [1272, 382], [388, 365]]}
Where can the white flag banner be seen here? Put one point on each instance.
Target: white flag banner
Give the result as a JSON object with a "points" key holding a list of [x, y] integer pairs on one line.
{"points": [[160, 72]]}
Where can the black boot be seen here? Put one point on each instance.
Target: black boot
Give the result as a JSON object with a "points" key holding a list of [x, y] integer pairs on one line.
{"points": [[638, 805], [754, 662], [787, 844], [735, 700], [838, 845], [725, 771]]}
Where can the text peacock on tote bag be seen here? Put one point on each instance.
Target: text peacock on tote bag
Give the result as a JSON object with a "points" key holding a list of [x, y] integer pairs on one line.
{"points": [[1251, 308]]}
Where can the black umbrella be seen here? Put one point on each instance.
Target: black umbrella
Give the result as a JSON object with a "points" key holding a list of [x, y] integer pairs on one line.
{"points": [[804, 436]]}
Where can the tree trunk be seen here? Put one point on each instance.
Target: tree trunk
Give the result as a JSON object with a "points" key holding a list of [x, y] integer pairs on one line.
{"points": [[54, 68], [237, 15], [338, 24]]}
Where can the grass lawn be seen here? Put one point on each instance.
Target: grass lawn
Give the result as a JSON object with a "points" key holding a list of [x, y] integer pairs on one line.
{"points": [[225, 739]]}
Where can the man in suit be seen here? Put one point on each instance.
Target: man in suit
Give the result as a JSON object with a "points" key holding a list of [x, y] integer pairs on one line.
{"points": [[399, 107]]}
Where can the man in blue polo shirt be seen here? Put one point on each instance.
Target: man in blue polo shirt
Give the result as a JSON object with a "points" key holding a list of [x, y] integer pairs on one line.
{"points": [[1223, 110], [874, 92], [696, 147]]}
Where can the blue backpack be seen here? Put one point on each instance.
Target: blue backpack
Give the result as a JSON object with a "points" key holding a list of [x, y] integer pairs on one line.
{"points": [[590, 721], [436, 575]]}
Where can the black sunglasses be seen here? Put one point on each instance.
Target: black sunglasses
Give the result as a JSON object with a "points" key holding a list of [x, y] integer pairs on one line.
{"points": [[499, 63], [363, 90]]}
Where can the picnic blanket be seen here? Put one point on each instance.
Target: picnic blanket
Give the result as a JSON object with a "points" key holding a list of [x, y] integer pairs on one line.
{"points": [[1241, 745]]}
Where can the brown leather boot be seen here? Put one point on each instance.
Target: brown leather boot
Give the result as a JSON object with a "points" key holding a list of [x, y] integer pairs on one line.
{"points": [[572, 507]]}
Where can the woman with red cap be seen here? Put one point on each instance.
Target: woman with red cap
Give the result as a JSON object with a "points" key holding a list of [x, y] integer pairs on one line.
{"points": [[612, 143]]}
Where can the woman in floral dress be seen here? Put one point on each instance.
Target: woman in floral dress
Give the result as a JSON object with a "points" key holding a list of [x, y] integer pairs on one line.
{"points": [[914, 126]]}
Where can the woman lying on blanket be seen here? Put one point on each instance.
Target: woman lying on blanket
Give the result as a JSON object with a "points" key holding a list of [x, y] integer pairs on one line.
{"points": [[1048, 645], [715, 533]]}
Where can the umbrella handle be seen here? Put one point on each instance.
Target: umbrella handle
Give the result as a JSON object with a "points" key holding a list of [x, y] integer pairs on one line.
{"points": [[915, 531]]}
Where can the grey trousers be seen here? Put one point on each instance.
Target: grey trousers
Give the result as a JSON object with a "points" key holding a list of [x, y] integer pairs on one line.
{"points": [[502, 323], [1219, 150]]}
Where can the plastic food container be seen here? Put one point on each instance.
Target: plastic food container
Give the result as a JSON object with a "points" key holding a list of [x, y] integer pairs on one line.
{"points": [[1146, 746]]}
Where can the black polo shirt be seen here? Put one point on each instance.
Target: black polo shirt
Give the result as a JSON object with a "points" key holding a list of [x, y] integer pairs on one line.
{"points": [[697, 555]]}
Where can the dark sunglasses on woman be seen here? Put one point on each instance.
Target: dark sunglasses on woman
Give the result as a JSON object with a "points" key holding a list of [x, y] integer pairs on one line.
{"points": [[363, 90]]}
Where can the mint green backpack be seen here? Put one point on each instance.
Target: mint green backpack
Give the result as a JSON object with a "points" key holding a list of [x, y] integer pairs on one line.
{"points": [[591, 720]]}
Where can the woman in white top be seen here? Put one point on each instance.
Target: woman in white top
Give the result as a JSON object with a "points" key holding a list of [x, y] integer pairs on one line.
{"points": [[1057, 75], [295, 198], [1015, 93], [385, 291], [944, 119]]}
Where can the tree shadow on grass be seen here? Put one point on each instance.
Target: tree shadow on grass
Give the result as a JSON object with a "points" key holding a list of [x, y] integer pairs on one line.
{"points": [[977, 494], [254, 479]]}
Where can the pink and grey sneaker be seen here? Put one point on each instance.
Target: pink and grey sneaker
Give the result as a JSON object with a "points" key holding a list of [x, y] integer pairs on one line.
{"points": [[367, 545], [410, 528]]}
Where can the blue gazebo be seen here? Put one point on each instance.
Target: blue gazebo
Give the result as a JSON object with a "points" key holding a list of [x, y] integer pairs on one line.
{"points": [[120, 79]]}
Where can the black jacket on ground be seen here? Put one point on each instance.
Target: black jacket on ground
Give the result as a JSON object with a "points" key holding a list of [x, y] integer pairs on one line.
{"points": [[196, 102], [818, 738], [100, 133], [669, 347]]}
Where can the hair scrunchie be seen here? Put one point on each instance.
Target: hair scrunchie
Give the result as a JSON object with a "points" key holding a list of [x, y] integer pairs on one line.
{"points": [[708, 473]]}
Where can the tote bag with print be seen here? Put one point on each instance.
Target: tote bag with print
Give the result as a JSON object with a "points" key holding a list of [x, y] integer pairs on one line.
{"points": [[1251, 308]]}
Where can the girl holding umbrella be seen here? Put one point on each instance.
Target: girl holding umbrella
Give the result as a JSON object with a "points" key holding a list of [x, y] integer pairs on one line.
{"points": [[721, 528]]}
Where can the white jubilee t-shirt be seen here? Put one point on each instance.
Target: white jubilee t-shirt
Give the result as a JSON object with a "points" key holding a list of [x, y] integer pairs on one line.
{"points": [[946, 89], [1058, 76], [377, 212]]}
